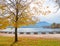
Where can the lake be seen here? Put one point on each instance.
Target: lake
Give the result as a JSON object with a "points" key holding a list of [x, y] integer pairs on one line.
{"points": [[39, 30]]}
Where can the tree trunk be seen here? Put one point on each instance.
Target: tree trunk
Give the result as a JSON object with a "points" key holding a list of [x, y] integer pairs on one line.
{"points": [[16, 37]]}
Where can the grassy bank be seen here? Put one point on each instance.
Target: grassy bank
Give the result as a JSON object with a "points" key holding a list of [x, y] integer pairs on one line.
{"points": [[8, 41]]}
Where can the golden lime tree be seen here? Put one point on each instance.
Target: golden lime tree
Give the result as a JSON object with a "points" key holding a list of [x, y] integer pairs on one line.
{"points": [[19, 13]]}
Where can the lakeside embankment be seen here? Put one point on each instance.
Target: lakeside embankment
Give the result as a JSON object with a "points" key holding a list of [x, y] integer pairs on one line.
{"points": [[57, 36]]}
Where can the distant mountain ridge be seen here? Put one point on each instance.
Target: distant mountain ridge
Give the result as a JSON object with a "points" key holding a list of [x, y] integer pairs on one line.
{"points": [[38, 25]]}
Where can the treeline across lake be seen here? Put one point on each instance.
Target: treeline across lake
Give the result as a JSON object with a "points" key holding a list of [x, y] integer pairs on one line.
{"points": [[53, 25]]}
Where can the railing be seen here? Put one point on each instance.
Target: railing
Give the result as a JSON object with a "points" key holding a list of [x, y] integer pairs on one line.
{"points": [[55, 32]]}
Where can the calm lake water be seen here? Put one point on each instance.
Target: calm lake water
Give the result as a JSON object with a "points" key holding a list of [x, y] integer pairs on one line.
{"points": [[31, 30]]}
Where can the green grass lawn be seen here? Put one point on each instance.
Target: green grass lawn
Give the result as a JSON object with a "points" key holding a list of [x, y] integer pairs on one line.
{"points": [[24, 41]]}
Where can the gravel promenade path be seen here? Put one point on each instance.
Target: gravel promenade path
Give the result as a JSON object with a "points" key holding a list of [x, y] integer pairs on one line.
{"points": [[36, 36]]}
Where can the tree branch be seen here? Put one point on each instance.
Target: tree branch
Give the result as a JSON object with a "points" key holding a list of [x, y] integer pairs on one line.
{"points": [[12, 2], [26, 7]]}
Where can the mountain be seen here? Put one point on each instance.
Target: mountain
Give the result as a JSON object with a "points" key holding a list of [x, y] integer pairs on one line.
{"points": [[37, 25], [43, 24]]}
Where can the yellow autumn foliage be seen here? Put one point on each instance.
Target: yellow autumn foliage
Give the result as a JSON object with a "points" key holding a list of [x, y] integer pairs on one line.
{"points": [[2, 7], [24, 20], [3, 23]]}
